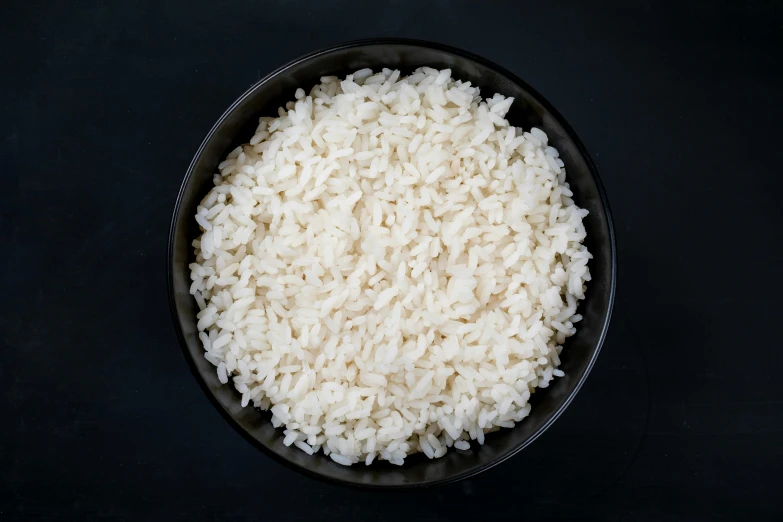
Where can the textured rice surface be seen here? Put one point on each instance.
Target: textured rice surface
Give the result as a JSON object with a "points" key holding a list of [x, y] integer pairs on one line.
{"points": [[389, 266]]}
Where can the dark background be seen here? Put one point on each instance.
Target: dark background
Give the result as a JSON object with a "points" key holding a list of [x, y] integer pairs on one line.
{"points": [[103, 104]]}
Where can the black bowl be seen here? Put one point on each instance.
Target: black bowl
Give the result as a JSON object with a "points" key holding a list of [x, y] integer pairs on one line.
{"points": [[237, 125]]}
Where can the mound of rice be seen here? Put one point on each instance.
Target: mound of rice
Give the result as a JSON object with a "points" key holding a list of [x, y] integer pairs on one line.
{"points": [[389, 266]]}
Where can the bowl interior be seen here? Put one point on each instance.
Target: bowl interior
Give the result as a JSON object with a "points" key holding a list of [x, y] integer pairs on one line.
{"points": [[529, 109]]}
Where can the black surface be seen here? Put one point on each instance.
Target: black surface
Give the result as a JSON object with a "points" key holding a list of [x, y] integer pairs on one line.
{"points": [[237, 126], [103, 105]]}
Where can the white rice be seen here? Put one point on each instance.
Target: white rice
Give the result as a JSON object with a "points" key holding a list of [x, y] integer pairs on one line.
{"points": [[389, 266]]}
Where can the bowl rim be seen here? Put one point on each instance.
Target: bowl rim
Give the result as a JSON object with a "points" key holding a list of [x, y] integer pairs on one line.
{"points": [[612, 281]]}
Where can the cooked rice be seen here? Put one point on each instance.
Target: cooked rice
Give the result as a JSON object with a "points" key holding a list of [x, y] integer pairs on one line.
{"points": [[389, 266]]}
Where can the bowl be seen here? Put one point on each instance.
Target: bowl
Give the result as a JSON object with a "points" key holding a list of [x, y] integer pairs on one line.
{"points": [[238, 124]]}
